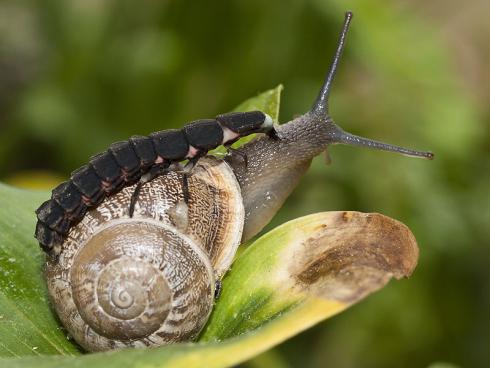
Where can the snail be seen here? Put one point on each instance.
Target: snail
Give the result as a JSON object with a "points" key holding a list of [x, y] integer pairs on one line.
{"points": [[149, 279], [149, 276]]}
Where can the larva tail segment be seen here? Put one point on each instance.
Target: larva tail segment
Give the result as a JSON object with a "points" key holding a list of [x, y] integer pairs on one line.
{"points": [[49, 240], [52, 226], [52, 215], [320, 109]]}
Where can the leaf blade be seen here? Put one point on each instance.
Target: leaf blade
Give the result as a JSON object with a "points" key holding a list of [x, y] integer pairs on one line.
{"points": [[285, 312], [264, 300], [23, 296]]}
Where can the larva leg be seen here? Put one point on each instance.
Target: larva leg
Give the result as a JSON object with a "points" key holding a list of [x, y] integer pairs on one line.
{"points": [[150, 175], [193, 161], [134, 196], [185, 187], [217, 289], [186, 172]]}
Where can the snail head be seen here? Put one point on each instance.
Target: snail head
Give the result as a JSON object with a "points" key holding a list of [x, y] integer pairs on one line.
{"points": [[276, 165]]}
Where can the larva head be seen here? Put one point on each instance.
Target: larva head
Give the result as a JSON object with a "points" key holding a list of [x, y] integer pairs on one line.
{"points": [[275, 166]]}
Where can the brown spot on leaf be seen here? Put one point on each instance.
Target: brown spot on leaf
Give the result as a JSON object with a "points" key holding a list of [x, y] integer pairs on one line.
{"points": [[353, 255], [347, 216]]}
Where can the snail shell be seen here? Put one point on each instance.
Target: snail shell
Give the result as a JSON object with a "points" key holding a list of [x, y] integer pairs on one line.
{"points": [[149, 280]]}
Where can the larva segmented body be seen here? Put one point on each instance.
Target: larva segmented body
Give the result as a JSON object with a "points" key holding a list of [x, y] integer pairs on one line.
{"points": [[124, 163]]}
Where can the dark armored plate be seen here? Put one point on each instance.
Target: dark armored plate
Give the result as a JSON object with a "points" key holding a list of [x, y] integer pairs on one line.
{"points": [[170, 144], [204, 134], [125, 157], [143, 146]]}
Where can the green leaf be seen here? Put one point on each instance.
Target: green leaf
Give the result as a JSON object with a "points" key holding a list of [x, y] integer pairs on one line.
{"points": [[27, 325], [286, 281], [267, 102]]}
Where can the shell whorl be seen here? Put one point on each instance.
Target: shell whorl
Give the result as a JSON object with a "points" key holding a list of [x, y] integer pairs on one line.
{"points": [[127, 294], [148, 280]]}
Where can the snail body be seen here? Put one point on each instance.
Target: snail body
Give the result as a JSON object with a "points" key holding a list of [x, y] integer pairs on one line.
{"points": [[123, 279]]}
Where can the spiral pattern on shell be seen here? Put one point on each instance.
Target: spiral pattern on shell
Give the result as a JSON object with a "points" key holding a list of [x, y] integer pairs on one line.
{"points": [[127, 295], [148, 280]]}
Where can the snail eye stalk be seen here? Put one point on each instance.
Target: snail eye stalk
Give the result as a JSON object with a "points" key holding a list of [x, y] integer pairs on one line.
{"points": [[321, 103], [338, 135]]}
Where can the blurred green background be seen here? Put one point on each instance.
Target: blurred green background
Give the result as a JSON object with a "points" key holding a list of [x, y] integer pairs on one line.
{"points": [[76, 76]]}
